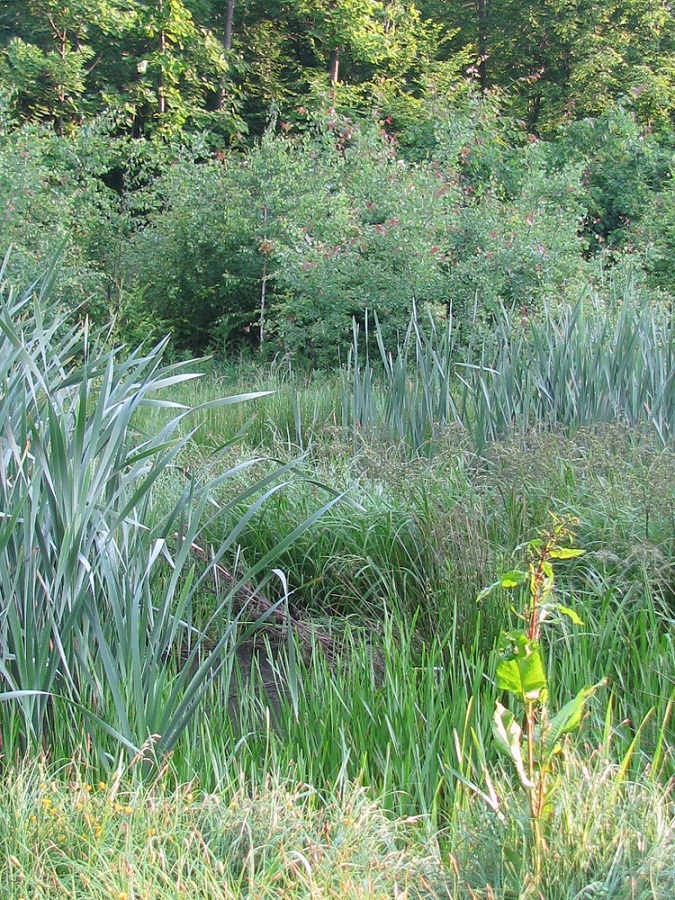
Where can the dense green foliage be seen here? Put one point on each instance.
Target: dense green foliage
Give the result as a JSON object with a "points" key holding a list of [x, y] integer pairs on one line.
{"points": [[281, 247], [97, 586], [206, 177], [434, 243], [127, 547], [160, 66], [123, 538], [288, 839]]}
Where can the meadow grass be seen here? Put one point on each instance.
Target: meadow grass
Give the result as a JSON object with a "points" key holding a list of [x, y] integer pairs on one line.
{"points": [[577, 366], [62, 835]]}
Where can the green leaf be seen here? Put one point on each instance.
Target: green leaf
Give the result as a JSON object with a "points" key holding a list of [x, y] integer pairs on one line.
{"points": [[487, 591], [565, 553], [548, 808], [520, 669], [570, 613], [566, 720], [508, 580], [512, 578], [508, 737], [625, 762]]}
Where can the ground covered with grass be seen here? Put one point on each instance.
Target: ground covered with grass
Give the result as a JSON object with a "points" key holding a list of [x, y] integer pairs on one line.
{"points": [[65, 837]]}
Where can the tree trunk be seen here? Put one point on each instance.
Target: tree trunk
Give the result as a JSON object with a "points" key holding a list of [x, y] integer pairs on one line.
{"points": [[535, 111], [161, 99], [335, 66], [61, 90], [229, 16], [263, 282], [482, 44], [227, 43]]}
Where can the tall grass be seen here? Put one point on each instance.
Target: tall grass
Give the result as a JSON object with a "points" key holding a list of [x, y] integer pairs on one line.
{"points": [[577, 366], [69, 837], [581, 366], [97, 586], [433, 533], [65, 836]]}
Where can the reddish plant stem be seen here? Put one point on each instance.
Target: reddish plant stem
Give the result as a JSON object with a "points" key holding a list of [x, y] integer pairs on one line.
{"points": [[538, 791]]}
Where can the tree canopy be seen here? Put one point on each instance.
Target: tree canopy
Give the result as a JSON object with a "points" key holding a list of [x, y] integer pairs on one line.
{"points": [[160, 66]]}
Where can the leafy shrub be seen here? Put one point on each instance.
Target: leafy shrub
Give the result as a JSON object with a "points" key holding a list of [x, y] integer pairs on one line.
{"points": [[488, 220], [289, 244], [81, 199], [284, 246], [373, 247], [201, 261], [652, 239], [622, 166], [49, 202]]}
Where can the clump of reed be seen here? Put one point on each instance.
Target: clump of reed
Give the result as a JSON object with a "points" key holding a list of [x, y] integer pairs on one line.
{"points": [[582, 365], [98, 582]]}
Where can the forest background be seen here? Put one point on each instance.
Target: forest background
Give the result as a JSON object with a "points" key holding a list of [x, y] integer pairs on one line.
{"points": [[258, 174]]}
